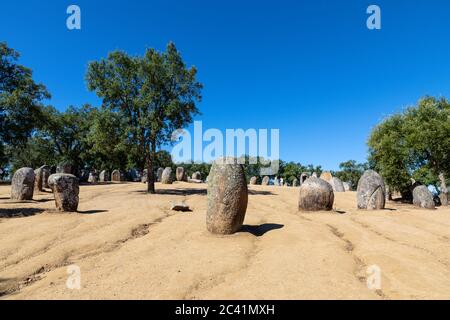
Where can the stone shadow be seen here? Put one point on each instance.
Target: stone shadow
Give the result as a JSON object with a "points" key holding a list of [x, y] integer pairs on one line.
{"points": [[19, 212], [91, 211], [262, 229]]}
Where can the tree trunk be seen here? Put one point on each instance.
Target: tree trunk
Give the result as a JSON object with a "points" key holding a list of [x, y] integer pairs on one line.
{"points": [[444, 191], [151, 171]]}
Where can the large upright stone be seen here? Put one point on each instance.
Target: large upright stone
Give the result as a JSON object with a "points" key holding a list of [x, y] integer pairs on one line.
{"points": [[265, 181], [347, 186], [64, 168], [181, 174], [197, 176], [65, 189], [159, 174], [92, 178], [117, 176], [316, 195], [326, 176], [371, 191], [41, 174], [166, 177], [295, 182], [422, 197], [227, 197], [144, 177], [253, 181], [303, 177], [22, 184], [104, 176], [337, 185]]}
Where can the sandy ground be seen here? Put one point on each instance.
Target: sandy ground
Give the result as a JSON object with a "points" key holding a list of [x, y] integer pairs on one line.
{"points": [[129, 245]]}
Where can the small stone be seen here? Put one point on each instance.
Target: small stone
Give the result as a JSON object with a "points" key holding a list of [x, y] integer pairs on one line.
{"points": [[337, 184], [253, 180], [265, 181]]}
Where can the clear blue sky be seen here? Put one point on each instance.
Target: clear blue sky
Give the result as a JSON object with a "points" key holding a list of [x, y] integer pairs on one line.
{"points": [[310, 68]]}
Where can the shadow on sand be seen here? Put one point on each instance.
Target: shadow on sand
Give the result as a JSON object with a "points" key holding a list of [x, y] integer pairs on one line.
{"points": [[262, 229], [19, 212], [91, 211], [176, 192]]}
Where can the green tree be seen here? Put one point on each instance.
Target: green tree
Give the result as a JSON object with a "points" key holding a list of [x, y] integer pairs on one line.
{"points": [[427, 132], [389, 154], [413, 144], [156, 93], [20, 103]]}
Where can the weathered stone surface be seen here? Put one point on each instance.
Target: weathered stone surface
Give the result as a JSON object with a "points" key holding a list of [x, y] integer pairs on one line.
{"points": [[159, 174], [371, 191], [303, 177], [40, 176], [181, 174], [276, 182], [253, 180], [347, 186], [104, 176], [265, 181], [337, 184], [316, 195], [422, 197], [66, 191], [64, 168], [197, 175], [166, 177], [227, 197], [314, 174], [194, 180], [326, 176], [144, 177], [92, 177], [295, 182], [22, 184], [117, 176]]}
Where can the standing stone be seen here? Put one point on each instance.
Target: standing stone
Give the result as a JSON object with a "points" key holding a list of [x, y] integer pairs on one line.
{"points": [[144, 177], [92, 177], [22, 184], [197, 176], [65, 189], [116, 176], [314, 175], [276, 182], [443, 196], [159, 174], [326, 176], [265, 181], [253, 180], [347, 186], [64, 168], [371, 191], [295, 182], [181, 174], [227, 197], [337, 185], [167, 176], [303, 177], [316, 195], [422, 197], [41, 175], [104, 176]]}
